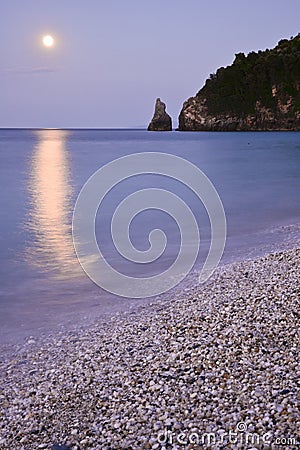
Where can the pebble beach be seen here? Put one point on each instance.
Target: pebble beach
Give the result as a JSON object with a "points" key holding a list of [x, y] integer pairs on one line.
{"points": [[216, 367]]}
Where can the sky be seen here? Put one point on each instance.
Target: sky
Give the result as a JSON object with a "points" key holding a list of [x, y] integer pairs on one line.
{"points": [[112, 59]]}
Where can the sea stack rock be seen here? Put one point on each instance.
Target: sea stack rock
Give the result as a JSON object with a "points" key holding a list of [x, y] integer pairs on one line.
{"points": [[161, 120]]}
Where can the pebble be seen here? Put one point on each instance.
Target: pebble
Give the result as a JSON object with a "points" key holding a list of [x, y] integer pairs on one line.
{"points": [[215, 356], [59, 447]]}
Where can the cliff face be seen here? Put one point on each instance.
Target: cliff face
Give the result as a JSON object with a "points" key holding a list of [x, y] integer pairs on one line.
{"points": [[260, 91], [161, 120]]}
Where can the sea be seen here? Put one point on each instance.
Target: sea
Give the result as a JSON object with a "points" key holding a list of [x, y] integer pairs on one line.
{"points": [[43, 285]]}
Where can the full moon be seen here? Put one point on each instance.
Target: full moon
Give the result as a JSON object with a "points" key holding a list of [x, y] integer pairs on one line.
{"points": [[48, 41]]}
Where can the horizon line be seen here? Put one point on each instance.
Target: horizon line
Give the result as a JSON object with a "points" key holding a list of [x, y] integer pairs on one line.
{"points": [[75, 128]]}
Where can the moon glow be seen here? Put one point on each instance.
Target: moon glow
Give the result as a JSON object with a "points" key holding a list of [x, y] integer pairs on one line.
{"points": [[48, 41]]}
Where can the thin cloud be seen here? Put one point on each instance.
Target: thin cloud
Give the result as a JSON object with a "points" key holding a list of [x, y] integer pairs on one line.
{"points": [[27, 70]]}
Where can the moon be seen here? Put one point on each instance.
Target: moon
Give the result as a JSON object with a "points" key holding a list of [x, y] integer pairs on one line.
{"points": [[48, 41]]}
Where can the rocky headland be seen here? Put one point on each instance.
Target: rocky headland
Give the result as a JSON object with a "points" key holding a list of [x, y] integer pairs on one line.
{"points": [[260, 91], [161, 120]]}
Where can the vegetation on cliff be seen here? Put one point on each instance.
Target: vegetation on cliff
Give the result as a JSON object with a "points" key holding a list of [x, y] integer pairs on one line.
{"points": [[259, 88]]}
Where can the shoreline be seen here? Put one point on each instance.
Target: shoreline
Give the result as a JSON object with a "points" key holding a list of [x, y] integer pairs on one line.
{"points": [[287, 236], [216, 355]]}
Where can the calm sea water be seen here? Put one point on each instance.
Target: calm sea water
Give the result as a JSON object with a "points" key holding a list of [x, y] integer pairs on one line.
{"points": [[42, 284]]}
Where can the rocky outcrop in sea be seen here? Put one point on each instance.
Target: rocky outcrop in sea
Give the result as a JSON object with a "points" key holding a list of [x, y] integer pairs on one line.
{"points": [[259, 91], [161, 120], [195, 116]]}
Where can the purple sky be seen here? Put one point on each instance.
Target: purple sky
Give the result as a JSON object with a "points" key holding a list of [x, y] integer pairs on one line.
{"points": [[113, 58]]}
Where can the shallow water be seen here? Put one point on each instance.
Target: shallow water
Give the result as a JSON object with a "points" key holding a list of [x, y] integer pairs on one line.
{"points": [[42, 172]]}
